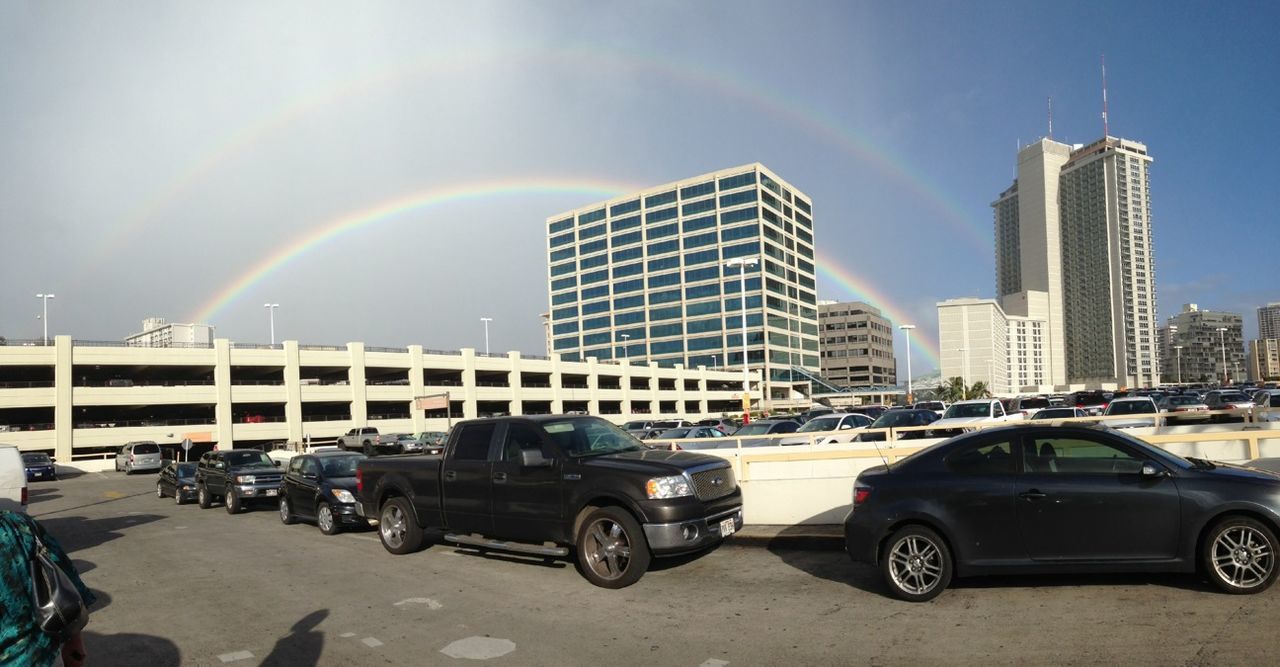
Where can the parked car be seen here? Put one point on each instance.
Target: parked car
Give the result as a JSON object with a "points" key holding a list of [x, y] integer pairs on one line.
{"points": [[690, 432], [938, 407], [362, 439], [399, 443], [1267, 405], [762, 427], [839, 427], [177, 480], [1058, 413], [13, 480], [239, 476], [540, 485], [432, 439], [724, 424], [321, 487], [897, 419], [639, 427], [968, 413], [1061, 498], [1183, 408], [1092, 402], [1131, 405], [1226, 399], [140, 455], [1029, 405], [38, 466], [872, 411]]}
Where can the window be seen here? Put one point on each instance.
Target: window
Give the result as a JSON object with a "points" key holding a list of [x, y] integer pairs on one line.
{"points": [[707, 343], [1079, 456], [628, 318], [593, 292], [698, 240], [664, 297], [659, 199], [740, 215], [595, 323], [705, 308], [561, 240], [562, 313], [737, 198], [595, 307], [596, 339], [590, 217], [567, 327], [628, 302], [585, 263], [626, 239], [698, 207], [659, 216], [699, 223], [663, 247], [663, 230], [625, 223], [625, 207], [702, 257], [701, 291], [706, 273], [988, 458], [595, 276], [738, 233], [519, 438], [664, 280], [663, 263], [561, 225], [697, 190], [661, 330], [738, 181], [558, 255], [473, 442], [622, 271], [563, 298], [703, 326], [561, 269], [591, 232], [669, 313], [628, 286], [594, 246]]}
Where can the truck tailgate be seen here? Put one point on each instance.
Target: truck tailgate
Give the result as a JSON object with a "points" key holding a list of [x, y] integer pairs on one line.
{"points": [[414, 477]]}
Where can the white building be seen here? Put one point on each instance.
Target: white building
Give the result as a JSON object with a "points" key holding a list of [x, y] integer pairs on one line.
{"points": [[981, 342], [1269, 321], [156, 332]]}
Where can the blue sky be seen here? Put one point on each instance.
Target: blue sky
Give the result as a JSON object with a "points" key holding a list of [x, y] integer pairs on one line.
{"points": [[156, 152]]}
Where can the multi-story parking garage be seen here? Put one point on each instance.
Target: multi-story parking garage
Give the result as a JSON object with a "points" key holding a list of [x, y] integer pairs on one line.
{"points": [[82, 399]]}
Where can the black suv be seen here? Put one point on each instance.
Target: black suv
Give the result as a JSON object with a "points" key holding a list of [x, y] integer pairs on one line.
{"points": [[237, 476]]}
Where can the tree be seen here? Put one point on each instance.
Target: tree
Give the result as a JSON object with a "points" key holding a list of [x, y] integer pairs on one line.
{"points": [[955, 389]]}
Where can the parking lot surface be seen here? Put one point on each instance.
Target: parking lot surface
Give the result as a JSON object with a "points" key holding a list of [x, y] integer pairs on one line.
{"points": [[181, 585]]}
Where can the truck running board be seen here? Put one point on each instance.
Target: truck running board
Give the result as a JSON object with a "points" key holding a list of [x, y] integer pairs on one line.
{"points": [[517, 547]]}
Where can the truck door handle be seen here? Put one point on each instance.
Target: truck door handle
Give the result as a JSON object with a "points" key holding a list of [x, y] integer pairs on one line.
{"points": [[499, 477], [1033, 494], [450, 475]]}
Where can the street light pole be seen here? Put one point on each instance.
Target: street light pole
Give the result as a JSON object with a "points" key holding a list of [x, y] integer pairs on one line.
{"points": [[486, 321], [1179, 349], [1222, 342], [45, 317], [906, 328], [271, 309], [625, 338], [964, 372], [742, 263]]}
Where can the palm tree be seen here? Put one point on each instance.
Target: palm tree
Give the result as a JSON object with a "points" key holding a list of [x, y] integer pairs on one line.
{"points": [[955, 389]]}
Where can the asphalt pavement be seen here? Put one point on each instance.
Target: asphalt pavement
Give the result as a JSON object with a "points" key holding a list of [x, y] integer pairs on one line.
{"points": [[181, 585]]}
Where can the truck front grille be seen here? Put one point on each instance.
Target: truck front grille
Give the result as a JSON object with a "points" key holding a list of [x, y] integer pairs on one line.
{"points": [[714, 483]]}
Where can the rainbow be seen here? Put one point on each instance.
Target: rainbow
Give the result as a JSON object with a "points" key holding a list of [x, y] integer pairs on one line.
{"points": [[924, 341], [393, 210], [754, 93]]}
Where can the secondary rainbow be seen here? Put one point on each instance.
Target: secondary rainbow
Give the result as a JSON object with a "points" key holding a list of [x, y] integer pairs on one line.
{"points": [[922, 338]]}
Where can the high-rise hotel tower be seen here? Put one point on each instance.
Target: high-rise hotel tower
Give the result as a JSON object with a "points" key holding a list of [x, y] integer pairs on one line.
{"points": [[657, 275]]}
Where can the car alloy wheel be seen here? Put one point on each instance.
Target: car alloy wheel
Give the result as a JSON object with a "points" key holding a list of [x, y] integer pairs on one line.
{"points": [[1243, 556], [324, 519], [916, 564], [286, 513], [159, 491], [612, 549], [393, 527]]}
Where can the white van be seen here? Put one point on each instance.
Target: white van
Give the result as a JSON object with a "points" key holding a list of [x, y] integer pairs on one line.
{"points": [[13, 480]]}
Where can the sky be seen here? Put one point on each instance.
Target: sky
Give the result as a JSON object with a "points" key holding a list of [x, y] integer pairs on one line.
{"points": [[384, 170]]}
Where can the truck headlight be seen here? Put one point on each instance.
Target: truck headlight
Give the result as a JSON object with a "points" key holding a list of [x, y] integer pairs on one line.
{"points": [[675, 486], [343, 496], [245, 479]]}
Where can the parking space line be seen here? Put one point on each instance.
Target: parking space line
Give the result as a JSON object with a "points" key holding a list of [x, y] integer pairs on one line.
{"points": [[371, 642], [235, 656], [714, 662]]}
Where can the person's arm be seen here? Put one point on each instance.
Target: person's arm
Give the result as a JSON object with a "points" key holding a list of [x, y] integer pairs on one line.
{"points": [[73, 653]]}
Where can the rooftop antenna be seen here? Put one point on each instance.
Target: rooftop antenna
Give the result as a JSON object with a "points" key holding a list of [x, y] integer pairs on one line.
{"points": [[1106, 132], [1051, 118]]}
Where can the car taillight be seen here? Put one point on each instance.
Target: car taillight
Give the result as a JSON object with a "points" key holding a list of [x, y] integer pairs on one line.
{"points": [[24, 497], [860, 495], [359, 480]]}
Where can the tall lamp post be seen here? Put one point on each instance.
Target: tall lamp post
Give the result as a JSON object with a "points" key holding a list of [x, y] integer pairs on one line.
{"points": [[486, 321], [1222, 342], [45, 317], [742, 263], [271, 309], [906, 329], [1179, 349], [625, 338]]}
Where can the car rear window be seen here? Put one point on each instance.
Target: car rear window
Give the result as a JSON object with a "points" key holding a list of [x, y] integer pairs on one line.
{"points": [[1033, 403], [1275, 401], [146, 448]]}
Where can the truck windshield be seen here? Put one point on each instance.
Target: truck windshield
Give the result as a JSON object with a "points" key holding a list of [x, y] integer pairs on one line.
{"points": [[590, 437], [962, 410]]}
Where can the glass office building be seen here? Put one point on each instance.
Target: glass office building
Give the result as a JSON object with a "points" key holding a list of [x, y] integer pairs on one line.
{"points": [[656, 276]]}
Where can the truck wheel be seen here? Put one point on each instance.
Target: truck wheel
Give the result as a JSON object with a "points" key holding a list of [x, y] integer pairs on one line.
{"points": [[399, 532], [232, 502], [203, 498], [325, 520], [286, 512], [367, 449], [612, 549]]}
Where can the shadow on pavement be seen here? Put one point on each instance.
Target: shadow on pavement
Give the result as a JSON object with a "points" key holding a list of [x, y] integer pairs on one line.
{"points": [[35, 496], [555, 562], [1186, 582], [76, 532], [129, 650], [302, 646]]}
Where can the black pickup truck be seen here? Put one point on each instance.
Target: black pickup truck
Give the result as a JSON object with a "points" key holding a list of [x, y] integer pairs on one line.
{"points": [[538, 485]]}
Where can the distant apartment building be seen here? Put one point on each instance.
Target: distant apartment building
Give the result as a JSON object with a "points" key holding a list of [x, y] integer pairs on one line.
{"points": [[856, 345], [1195, 349], [1269, 321], [1264, 360], [660, 275], [980, 341], [156, 332]]}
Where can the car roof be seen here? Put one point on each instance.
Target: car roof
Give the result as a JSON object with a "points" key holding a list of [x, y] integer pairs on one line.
{"points": [[1122, 399], [975, 400]]}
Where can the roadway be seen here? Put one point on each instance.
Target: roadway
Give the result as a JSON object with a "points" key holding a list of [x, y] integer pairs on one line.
{"points": [[180, 585]]}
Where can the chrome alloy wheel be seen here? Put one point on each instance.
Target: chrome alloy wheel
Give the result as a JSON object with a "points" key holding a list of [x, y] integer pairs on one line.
{"points": [[1243, 557], [915, 564], [324, 518], [608, 548], [393, 526]]}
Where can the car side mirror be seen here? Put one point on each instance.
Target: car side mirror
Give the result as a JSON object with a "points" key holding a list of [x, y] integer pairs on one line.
{"points": [[845, 426], [277, 464], [533, 458], [1152, 471]]}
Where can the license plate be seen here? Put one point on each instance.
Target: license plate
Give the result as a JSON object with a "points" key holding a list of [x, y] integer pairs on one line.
{"points": [[271, 492], [726, 527]]}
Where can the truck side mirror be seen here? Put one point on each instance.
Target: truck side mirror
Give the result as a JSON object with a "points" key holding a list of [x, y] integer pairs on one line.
{"points": [[533, 458]]}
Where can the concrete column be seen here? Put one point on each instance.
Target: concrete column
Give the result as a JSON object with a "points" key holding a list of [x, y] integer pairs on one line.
{"points": [[593, 385], [702, 391], [517, 400], [680, 394], [356, 380], [223, 419], [655, 406], [557, 386], [63, 414], [626, 391], [469, 408], [417, 387], [293, 391]]}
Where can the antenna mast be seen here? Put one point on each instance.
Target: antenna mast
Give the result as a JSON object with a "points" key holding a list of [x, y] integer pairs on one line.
{"points": [[1051, 118], [1106, 132]]}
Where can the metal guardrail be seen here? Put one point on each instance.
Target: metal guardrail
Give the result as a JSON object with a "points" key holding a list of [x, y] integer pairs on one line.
{"points": [[32, 384], [26, 342], [98, 343], [398, 350], [447, 353], [146, 422], [324, 348], [257, 346]]}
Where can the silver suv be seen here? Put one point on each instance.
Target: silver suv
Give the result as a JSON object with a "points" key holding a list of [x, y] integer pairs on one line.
{"points": [[140, 455]]}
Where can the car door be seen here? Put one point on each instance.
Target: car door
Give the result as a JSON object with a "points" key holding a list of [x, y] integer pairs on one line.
{"points": [[307, 486], [527, 501], [122, 457], [466, 483], [1081, 496], [976, 495]]}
